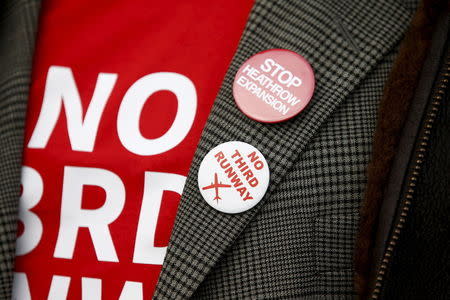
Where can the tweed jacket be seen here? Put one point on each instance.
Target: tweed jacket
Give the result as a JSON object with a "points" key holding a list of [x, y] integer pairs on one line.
{"points": [[298, 242]]}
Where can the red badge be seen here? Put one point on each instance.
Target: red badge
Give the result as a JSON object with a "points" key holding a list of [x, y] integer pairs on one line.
{"points": [[274, 85]]}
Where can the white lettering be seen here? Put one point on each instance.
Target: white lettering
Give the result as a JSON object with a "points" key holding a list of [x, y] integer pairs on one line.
{"points": [[59, 287], [32, 189], [21, 288], [61, 88], [91, 288], [132, 290], [155, 184], [97, 220], [133, 102]]}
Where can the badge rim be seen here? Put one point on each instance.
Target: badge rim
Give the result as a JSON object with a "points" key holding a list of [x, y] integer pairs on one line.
{"points": [[289, 117], [267, 184]]}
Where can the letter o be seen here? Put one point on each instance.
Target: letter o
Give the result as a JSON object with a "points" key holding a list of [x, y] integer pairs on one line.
{"points": [[133, 103], [258, 165], [288, 79]]}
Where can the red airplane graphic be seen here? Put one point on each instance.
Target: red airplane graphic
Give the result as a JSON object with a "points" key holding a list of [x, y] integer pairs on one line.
{"points": [[216, 185]]}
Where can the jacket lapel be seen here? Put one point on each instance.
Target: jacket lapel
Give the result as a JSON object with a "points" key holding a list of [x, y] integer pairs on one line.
{"points": [[342, 42], [18, 22]]}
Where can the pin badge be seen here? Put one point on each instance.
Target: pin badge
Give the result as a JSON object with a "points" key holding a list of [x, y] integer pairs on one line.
{"points": [[274, 85], [233, 177]]}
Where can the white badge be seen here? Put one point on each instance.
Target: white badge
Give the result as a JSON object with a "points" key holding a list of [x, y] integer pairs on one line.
{"points": [[233, 177]]}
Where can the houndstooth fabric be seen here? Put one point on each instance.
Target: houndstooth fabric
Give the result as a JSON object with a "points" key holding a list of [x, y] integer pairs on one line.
{"points": [[410, 4], [302, 239], [297, 242], [18, 23]]}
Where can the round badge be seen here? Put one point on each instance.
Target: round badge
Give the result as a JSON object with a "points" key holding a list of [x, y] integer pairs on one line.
{"points": [[233, 177], [274, 85]]}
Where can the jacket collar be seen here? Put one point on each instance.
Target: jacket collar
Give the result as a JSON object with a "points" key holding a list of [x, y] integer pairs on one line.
{"points": [[343, 43]]}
